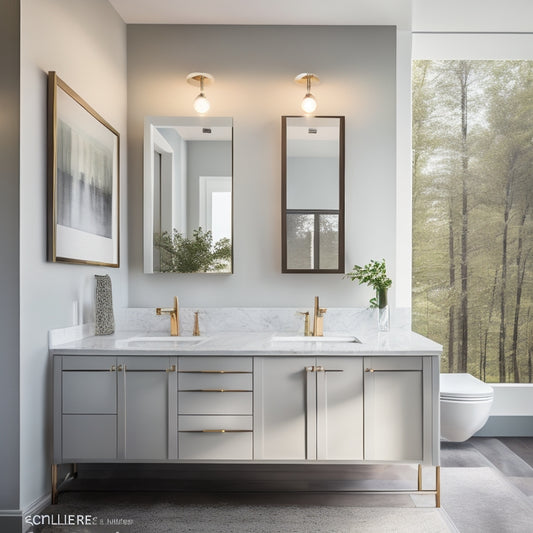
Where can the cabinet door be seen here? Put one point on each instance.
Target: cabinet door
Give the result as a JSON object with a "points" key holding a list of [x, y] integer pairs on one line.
{"points": [[393, 408], [339, 408], [87, 398], [284, 427], [147, 408]]}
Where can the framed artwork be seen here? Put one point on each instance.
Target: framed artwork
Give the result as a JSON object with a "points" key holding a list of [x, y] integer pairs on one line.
{"points": [[83, 181]]}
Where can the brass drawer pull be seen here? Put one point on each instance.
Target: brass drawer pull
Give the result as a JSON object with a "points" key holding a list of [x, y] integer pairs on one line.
{"points": [[393, 370], [214, 372], [172, 369], [216, 431], [215, 390]]}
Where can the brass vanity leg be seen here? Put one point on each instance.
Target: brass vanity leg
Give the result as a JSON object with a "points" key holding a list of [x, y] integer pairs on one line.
{"points": [[54, 484], [437, 482], [419, 478]]}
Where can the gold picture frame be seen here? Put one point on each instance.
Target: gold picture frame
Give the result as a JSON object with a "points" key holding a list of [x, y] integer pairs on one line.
{"points": [[83, 181]]}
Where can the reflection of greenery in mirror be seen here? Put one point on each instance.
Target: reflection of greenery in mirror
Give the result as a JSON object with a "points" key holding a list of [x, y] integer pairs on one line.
{"points": [[188, 187], [197, 254]]}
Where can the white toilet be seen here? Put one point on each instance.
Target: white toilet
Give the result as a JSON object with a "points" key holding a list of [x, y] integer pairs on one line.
{"points": [[465, 404]]}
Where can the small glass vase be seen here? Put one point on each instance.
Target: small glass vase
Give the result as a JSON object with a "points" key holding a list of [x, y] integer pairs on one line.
{"points": [[383, 310]]}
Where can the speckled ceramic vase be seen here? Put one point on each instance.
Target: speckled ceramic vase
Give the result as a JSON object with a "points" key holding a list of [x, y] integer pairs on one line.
{"points": [[105, 321]]}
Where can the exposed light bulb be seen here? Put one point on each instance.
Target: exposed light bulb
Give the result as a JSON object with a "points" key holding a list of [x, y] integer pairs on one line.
{"points": [[201, 104], [309, 103]]}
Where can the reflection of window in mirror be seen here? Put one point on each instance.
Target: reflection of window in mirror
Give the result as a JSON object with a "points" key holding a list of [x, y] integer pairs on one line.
{"points": [[313, 194], [215, 206]]}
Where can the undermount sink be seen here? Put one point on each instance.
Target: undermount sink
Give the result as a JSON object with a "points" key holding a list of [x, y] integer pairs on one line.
{"points": [[169, 338], [301, 338]]}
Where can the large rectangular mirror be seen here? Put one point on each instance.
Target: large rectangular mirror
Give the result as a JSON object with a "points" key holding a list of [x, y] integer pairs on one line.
{"points": [[312, 194], [188, 199]]}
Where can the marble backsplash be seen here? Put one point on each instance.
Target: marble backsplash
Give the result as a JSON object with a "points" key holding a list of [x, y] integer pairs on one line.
{"points": [[353, 320], [249, 319]]}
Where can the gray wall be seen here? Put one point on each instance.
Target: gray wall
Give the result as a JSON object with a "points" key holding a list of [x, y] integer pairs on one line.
{"points": [[9, 260], [254, 68], [85, 42]]}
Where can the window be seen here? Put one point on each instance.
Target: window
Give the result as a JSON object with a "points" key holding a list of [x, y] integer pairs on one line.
{"points": [[473, 214]]}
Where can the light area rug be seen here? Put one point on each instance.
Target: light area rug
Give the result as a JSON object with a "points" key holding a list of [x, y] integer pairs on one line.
{"points": [[481, 500], [150, 514]]}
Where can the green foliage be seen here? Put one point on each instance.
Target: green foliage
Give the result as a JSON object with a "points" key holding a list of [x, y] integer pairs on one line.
{"points": [[374, 274], [197, 254], [473, 215]]}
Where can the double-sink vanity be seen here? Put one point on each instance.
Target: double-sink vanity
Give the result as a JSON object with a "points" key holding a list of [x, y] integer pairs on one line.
{"points": [[247, 396]]}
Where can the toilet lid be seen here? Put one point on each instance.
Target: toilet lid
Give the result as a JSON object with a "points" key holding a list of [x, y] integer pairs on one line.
{"points": [[464, 387]]}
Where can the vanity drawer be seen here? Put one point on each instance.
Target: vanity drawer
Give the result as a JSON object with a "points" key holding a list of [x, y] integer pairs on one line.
{"points": [[391, 364], [88, 362], [226, 381], [215, 437], [206, 423], [215, 364], [215, 403]]}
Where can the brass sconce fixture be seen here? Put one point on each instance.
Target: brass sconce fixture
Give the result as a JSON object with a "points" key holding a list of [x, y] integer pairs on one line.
{"points": [[200, 79], [309, 101]]}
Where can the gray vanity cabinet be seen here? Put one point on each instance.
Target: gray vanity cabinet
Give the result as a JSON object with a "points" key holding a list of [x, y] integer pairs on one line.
{"points": [[399, 412], [308, 408], [215, 408], [114, 408]]}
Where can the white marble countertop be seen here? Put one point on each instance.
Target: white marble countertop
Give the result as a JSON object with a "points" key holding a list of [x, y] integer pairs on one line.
{"points": [[397, 342]]}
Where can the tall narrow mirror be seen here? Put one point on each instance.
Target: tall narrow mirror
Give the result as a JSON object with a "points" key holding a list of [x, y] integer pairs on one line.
{"points": [[312, 194], [188, 199]]}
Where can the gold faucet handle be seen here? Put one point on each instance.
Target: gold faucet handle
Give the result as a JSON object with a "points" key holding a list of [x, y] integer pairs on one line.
{"points": [[196, 328], [322, 311], [307, 331]]}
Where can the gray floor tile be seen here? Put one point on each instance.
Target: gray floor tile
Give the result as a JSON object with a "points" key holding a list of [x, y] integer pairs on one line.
{"points": [[461, 454], [522, 446], [502, 457]]}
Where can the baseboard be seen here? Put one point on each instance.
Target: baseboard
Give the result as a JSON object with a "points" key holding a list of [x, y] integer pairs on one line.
{"points": [[507, 426], [11, 521], [35, 508]]}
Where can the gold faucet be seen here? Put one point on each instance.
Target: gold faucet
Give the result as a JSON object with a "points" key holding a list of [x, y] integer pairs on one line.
{"points": [[174, 313], [318, 319], [307, 331]]}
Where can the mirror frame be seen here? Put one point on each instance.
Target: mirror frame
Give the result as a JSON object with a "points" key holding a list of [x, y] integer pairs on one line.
{"points": [[154, 122], [341, 212]]}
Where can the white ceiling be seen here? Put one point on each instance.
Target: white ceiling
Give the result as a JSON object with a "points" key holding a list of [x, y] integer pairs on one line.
{"points": [[425, 15], [291, 12]]}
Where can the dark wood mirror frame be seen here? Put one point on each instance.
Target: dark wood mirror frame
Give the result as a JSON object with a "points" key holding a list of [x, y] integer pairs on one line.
{"points": [[316, 212]]}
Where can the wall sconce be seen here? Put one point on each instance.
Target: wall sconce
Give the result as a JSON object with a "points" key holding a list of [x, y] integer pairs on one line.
{"points": [[309, 102], [200, 79]]}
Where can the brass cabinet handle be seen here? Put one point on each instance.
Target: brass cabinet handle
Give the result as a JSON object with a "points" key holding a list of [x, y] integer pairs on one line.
{"points": [[216, 431], [369, 370], [113, 368], [214, 372], [121, 367], [171, 369], [310, 368], [215, 390]]}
